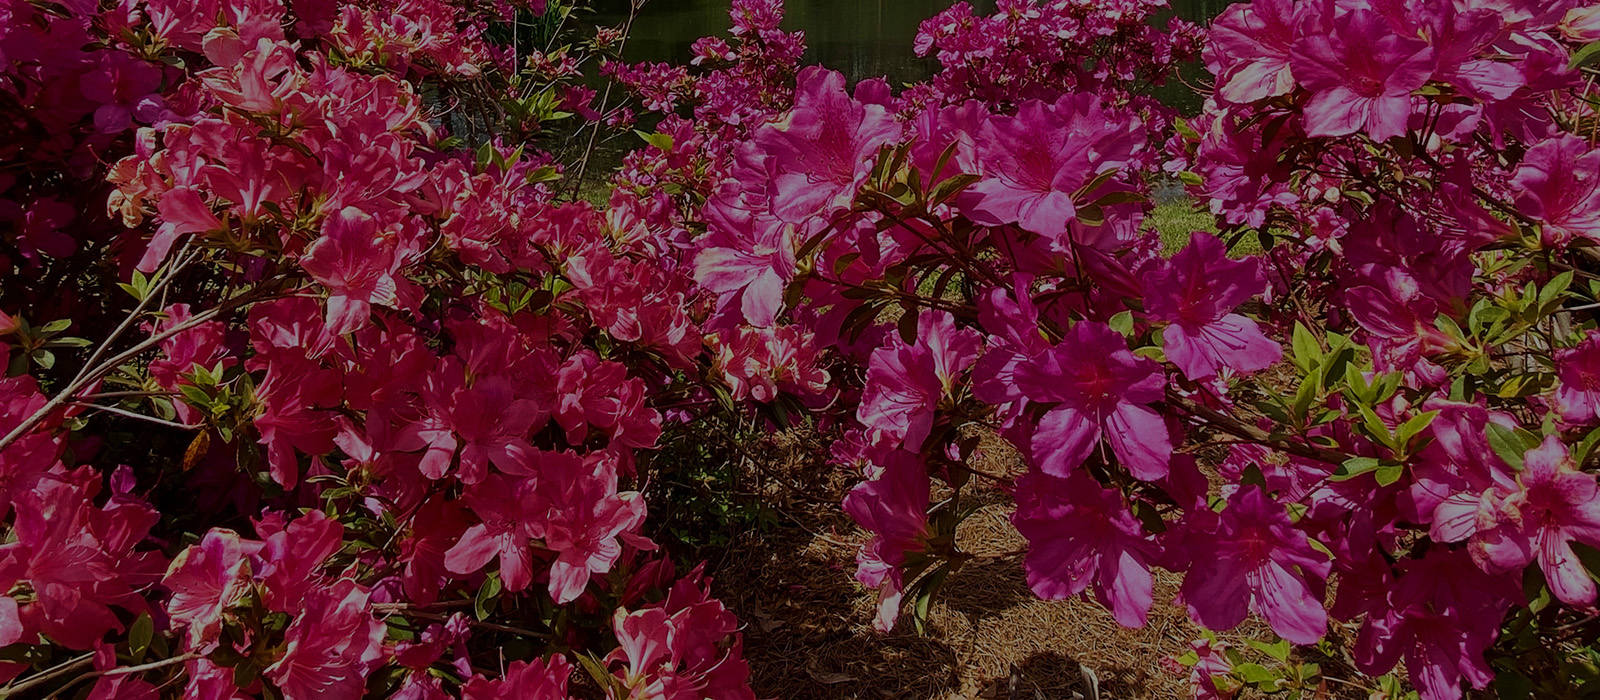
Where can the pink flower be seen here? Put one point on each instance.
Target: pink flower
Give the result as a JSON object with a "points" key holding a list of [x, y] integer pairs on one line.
{"points": [[291, 559], [356, 262], [1196, 292], [1439, 616], [1360, 75], [331, 647], [822, 149], [585, 519], [906, 382], [1210, 661], [293, 399], [893, 506], [1252, 558], [1034, 162], [1099, 388], [595, 393], [1581, 24], [1558, 185], [1080, 534], [1578, 393], [539, 680], [759, 362], [507, 513], [1557, 505], [1249, 48], [205, 580], [182, 212], [686, 648], [485, 422], [747, 264]]}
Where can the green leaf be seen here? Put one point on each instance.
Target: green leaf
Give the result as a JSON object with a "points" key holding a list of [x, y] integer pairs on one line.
{"points": [[1504, 442], [139, 636], [1414, 426], [1388, 474], [1306, 394], [1552, 291], [488, 597], [908, 323], [1255, 674], [1191, 178], [1354, 467], [950, 187], [1307, 352], [1375, 426], [546, 173], [1585, 55], [1511, 685], [1119, 197], [659, 140], [1122, 323], [55, 326], [1278, 650], [927, 587], [1581, 452]]}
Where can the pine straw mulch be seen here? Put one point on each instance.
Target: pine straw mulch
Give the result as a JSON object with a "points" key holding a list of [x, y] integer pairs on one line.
{"points": [[808, 625]]}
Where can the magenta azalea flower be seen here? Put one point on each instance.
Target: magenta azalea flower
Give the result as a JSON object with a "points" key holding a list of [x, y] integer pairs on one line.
{"points": [[1557, 506], [331, 647], [585, 519], [1440, 616], [1099, 388], [906, 382], [1360, 76], [1196, 292], [1035, 161], [539, 680], [822, 149], [485, 422], [205, 579], [1254, 559], [1249, 49], [1558, 185], [356, 262], [1578, 369], [894, 507], [507, 513], [1080, 534], [747, 270], [292, 556]]}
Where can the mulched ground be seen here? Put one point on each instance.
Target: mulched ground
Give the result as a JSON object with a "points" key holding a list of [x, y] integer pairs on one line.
{"points": [[808, 632]]}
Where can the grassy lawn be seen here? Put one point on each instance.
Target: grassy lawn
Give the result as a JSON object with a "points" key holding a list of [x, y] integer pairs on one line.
{"points": [[1175, 221]]}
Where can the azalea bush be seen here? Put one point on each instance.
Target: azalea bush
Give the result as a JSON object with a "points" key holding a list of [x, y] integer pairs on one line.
{"points": [[328, 376]]}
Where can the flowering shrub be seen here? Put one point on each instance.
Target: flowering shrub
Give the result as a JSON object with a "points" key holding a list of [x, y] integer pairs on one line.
{"points": [[340, 399]]}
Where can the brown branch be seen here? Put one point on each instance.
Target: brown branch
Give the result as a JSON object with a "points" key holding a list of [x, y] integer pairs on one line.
{"points": [[1245, 431]]}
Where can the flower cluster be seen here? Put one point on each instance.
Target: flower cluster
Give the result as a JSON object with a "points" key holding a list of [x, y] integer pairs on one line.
{"points": [[1424, 206], [427, 382], [414, 374]]}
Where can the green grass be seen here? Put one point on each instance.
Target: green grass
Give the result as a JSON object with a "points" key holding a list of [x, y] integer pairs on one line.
{"points": [[1175, 221]]}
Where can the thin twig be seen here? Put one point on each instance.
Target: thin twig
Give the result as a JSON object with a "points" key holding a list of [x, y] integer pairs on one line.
{"points": [[182, 261], [478, 624], [1240, 429], [66, 394], [583, 163], [138, 416], [46, 676]]}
